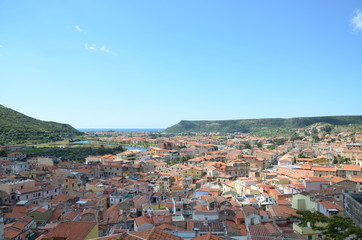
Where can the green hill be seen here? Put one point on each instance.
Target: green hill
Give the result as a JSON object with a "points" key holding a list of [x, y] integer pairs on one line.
{"points": [[18, 128], [258, 125]]}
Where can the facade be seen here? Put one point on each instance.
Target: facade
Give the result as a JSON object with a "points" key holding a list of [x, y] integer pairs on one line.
{"points": [[353, 207], [238, 168]]}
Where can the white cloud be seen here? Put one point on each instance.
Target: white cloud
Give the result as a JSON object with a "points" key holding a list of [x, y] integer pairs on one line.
{"points": [[79, 29], [93, 47], [89, 46], [356, 20], [105, 49]]}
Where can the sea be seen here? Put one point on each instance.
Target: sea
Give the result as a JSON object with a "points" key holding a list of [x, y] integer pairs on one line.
{"points": [[150, 130]]}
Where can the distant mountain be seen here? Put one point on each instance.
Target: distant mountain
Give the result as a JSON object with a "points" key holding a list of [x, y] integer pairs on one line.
{"points": [[258, 125], [16, 128]]}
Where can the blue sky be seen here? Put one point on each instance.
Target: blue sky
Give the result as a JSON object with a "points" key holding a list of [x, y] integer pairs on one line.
{"points": [[129, 64]]}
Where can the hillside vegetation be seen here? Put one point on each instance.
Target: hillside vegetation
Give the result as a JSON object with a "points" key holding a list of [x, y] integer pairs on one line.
{"points": [[16, 128], [270, 125]]}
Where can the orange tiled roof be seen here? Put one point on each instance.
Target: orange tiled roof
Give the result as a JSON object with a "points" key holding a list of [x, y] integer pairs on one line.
{"points": [[351, 167], [151, 234], [71, 230], [208, 236]]}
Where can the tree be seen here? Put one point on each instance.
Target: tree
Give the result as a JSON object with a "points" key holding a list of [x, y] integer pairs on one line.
{"points": [[343, 160], [336, 227], [3, 153], [186, 158], [247, 145]]}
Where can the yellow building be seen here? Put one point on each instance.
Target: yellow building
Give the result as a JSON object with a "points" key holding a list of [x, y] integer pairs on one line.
{"points": [[154, 150], [194, 172], [306, 231], [94, 187], [351, 154], [71, 184], [321, 160], [102, 202], [281, 180], [178, 189]]}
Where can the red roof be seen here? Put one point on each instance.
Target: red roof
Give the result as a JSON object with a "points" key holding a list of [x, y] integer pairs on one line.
{"points": [[71, 230]]}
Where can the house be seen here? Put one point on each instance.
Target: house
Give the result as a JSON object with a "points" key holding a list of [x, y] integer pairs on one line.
{"points": [[9, 189], [307, 231], [212, 171], [201, 213], [32, 194], [271, 230], [194, 172], [16, 167], [252, 216], [287, 159], [358, 181], [142, 223], [329, 208], [16, 156], [314, 183], [348, 170], [353, 207], [320, 171], [238, 168], [41, 161], [129, 155], [19, 229], [351, 154], [303, 201]]}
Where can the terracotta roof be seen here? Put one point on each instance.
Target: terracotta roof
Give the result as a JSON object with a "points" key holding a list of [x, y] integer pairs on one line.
{"points": [[249, 210], [161, 219], [356, 179], [151, 234], [55, 215], [282, 211], [171, 227], [71, 230], [325, 169], [19, 209], [208, 236], [269, 230], [142, 220], [316, 179], [337, 179], [14, 215], [30, 189], [330, 205], [351, 167], [11, 233]]}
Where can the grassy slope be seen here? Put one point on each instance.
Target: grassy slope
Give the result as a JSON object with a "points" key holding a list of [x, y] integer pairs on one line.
{"points": [[16, 127], [257, 125]]}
